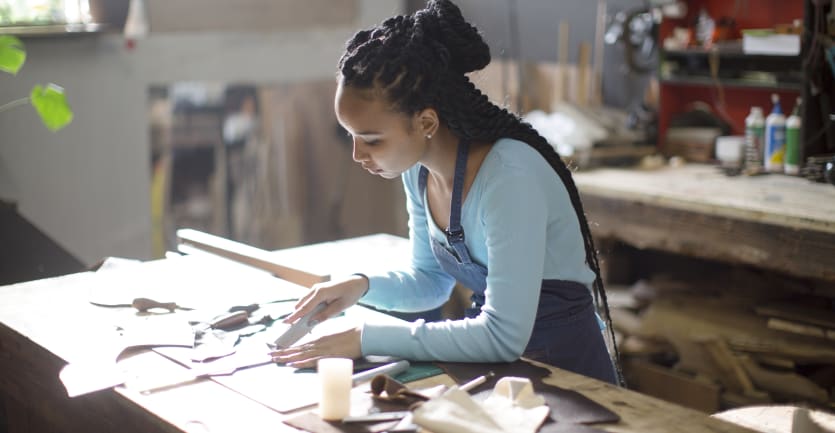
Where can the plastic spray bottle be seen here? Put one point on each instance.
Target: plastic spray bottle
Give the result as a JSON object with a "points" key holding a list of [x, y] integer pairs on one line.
{"points": [[754, 136], [775, 137], [793, 125]]}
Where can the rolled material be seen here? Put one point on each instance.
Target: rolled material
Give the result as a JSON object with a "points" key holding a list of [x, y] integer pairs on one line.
{"points": [[392, 369]]}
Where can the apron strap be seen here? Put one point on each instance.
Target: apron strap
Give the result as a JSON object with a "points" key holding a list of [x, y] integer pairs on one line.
{"points": [[454, 232]]}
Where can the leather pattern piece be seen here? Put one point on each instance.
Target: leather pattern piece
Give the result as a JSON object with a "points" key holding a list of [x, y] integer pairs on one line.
{"points": [[386, 389], [567, 406], [558, 427], [311, 422]]}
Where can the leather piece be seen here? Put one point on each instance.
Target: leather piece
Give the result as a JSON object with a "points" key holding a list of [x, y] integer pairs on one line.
{"points": [[386, 389], [311, 422], [567, 406], [558, 427]]}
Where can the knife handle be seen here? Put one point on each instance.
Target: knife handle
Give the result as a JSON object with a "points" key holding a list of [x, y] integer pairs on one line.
{"points": [[230, 320], [248, 308]]}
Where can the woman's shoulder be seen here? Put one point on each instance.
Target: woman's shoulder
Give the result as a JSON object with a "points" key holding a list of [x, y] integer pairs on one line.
{"points": [[410, 179], [514, 168], [510, 155]]}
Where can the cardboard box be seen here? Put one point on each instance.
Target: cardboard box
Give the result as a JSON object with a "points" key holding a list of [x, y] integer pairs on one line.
{"points": [[768, 42]]}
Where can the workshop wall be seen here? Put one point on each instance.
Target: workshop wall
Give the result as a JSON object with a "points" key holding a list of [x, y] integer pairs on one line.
{"points": [[87, 186], [538, 24]]}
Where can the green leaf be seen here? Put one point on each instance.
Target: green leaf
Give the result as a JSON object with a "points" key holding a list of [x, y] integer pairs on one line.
{"points": [[12, 54], [52, 106]]}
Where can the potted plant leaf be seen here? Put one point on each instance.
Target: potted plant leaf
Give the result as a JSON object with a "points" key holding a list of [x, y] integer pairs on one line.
{"points": [[48, 101]]}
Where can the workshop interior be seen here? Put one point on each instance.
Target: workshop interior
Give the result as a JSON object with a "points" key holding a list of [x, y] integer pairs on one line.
{"points": [[168, 159]]}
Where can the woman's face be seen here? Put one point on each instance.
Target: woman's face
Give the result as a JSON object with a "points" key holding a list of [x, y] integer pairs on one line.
{"points": [[386, 142]]}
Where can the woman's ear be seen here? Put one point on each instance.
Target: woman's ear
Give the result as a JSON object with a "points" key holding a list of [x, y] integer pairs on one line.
{"points": [[428, 122]]}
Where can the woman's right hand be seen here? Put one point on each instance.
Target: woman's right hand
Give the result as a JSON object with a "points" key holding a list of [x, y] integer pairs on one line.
{"points": [[337, 295]]}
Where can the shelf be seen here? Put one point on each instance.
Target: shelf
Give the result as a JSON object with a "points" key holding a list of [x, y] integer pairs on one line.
{"points": [[691, 74], [53, 29], [730, 53], [728, 82], [693, 67], [732, 59]]}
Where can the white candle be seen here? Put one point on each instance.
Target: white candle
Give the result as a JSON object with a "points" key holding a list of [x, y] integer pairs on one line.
{"points": [[335, 385]]}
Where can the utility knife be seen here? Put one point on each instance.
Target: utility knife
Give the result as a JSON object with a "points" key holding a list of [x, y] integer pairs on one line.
{"points": [[299, 329]]}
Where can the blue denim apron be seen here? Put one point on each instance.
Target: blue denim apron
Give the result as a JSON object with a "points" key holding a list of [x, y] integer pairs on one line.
{"points": [[566, 332]]}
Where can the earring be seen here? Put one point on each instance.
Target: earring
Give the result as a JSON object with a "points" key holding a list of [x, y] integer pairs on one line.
{"points": [[428, 136]]}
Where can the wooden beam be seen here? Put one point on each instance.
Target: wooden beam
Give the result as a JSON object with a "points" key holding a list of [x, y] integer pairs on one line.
{"points": [[248, 255], [795, 251]]}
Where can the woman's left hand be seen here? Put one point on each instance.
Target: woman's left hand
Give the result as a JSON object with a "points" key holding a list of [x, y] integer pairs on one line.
{"points": [[346, 344]]}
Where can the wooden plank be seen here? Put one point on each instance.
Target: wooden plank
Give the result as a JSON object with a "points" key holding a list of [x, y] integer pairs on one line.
{"points": [[815, 316], [800, 328], [711, 235], [780, 418], [732, 374], [773, 200], [673, 386], [787, 384], [583, 74], [685, 319], [561, 75], [249, 255]]}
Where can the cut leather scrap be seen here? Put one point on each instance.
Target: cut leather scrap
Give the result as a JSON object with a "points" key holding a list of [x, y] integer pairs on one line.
{"points": [[559, 427], [385, 388], [567, 406], [311, 422]]}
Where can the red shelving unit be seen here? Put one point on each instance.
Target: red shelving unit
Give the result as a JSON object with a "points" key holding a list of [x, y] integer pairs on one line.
{"points": [[677, 94]]}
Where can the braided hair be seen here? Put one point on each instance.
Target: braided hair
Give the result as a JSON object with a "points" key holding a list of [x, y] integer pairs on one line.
{"points": [[420, 61]]}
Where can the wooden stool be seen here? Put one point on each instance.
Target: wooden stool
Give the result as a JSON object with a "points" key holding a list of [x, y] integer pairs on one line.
{"points": [[780, 419]]}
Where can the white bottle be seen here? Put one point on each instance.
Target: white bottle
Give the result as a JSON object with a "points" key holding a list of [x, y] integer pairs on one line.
{"points": [[775, 138], [754, 137]]}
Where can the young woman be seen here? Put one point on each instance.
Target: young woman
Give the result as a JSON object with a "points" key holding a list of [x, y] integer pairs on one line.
{"points": [[491, 205]]}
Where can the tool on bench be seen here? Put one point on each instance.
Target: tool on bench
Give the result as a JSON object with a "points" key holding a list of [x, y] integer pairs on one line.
{"points": [[238, 314], [143, 305], [299, 329], [217, 337], [224, 321], [392, 369], [476, 382]]}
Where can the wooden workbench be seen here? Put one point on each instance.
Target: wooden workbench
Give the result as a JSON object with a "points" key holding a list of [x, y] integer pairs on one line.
{"points": [[777, 222], [46, 323]]}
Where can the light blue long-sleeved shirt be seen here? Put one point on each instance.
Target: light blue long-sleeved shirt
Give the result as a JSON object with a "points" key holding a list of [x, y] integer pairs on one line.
{"points": [[520, 224]]}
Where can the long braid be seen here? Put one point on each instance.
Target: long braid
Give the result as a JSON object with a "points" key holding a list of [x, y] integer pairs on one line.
{"points": [[420, 61], [487, 122]]}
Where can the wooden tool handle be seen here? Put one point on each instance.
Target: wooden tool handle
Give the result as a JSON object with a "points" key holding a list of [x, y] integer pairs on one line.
{"points": [[230, 320], [145, 304]]}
